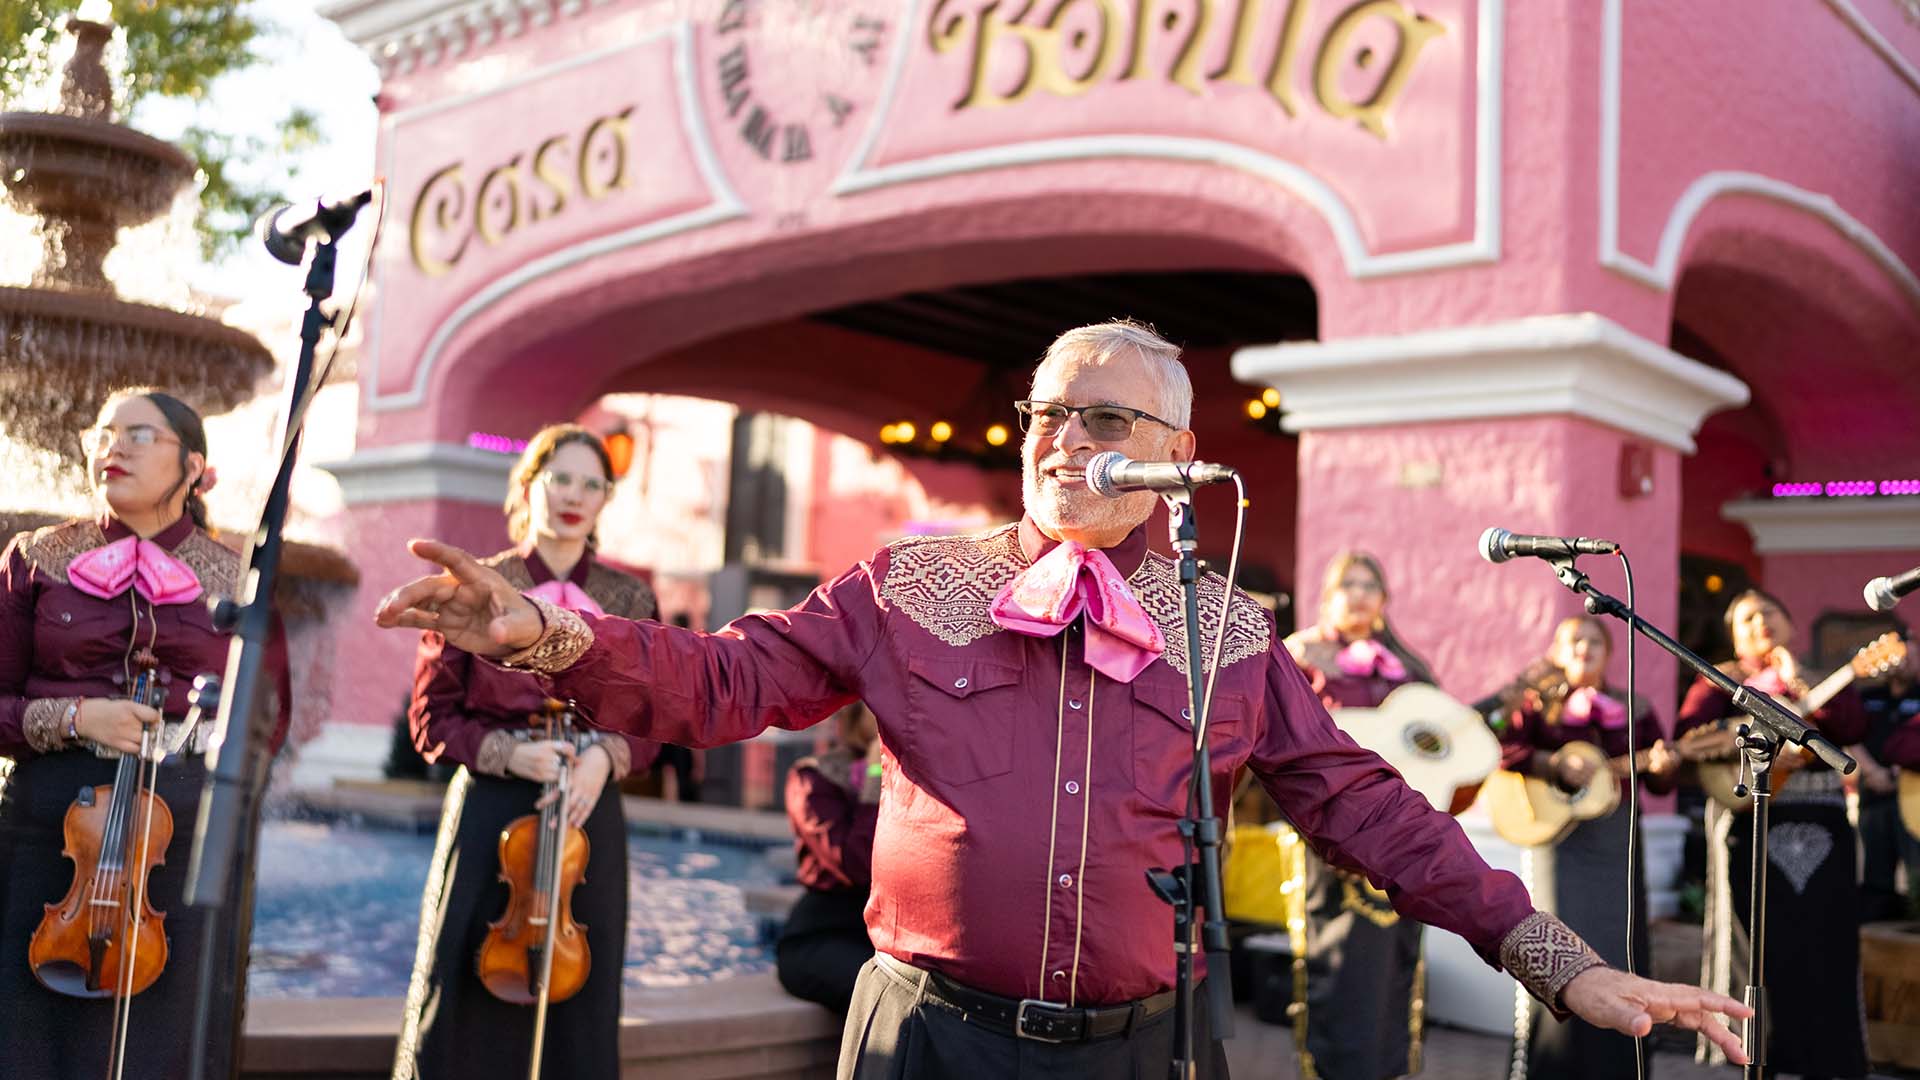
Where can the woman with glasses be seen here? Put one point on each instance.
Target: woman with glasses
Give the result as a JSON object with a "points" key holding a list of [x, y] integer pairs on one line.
{"points": [[1812, 893], [1363, 981], [479, 716], [80, 602]]}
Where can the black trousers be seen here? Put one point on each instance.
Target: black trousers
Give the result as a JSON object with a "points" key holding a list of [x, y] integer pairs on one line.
{"points": [[895, 1032], [823, 947]]}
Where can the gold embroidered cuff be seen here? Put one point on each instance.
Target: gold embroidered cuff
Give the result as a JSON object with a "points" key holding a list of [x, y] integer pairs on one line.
{"points": [[1544, 954], [494, 752], [618, 752], [565, 639], [45, 724]]}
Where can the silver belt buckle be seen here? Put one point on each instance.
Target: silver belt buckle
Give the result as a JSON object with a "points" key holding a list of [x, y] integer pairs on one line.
{"points": [[1020, 1020]]}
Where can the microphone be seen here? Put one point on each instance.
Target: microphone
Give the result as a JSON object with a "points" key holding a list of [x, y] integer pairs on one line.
{"points": [[1112, 474], [1884, 592], [1497, 545], [285, 229]]}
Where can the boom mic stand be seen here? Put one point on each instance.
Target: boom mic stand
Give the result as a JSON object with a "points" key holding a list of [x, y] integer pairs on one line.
{"points": [[228, 824], [1199, 827], [1772, 726]]}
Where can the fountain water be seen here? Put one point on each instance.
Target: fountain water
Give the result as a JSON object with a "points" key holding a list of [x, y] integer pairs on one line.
{"points": [[67, 340]]}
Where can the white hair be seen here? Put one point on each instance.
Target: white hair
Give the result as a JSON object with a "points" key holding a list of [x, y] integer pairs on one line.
{"points": [[1103, 341]]}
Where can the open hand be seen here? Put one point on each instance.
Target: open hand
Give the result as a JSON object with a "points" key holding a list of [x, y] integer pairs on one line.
{"points": [[471, 605], [1612, 999]]}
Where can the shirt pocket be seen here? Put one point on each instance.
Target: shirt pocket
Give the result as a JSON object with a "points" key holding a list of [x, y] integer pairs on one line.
{"points": [[962, 711], [1163, 742]]}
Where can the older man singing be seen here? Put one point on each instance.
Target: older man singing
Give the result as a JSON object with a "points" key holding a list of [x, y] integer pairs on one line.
{"points": [[1030, 685]]}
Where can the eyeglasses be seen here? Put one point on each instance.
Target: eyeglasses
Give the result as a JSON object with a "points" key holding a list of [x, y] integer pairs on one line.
{"points": [[98, 440], [1105, 423], [592, 485]]}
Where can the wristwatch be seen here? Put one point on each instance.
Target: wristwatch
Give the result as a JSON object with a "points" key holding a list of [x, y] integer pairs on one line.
{"points": [[73, 720]]}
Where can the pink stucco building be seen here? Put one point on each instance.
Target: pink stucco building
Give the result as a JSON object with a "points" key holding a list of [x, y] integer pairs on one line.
{"points": [[1609, 267]]}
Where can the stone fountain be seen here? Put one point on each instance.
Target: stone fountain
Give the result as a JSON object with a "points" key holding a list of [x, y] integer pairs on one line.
{"points": [[67, 340]]}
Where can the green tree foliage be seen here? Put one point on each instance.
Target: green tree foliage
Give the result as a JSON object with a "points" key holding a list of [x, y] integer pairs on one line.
{"points": [[173, 49]]}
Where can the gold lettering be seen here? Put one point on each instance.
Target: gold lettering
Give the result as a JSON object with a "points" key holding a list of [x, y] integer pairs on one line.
{"points": [[1415, 31], [1186, 70], [448, 207], [509, 174], [555, 179], [1052, 60], [1238, 66], [615, 126], [988, 28], [1280, 79]]}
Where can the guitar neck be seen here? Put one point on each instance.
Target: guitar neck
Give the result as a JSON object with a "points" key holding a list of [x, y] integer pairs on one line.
{"points": [[1823, 693]]}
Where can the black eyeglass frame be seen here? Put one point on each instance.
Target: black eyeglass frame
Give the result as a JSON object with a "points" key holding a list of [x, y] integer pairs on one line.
{"points": [[1026, 408]]}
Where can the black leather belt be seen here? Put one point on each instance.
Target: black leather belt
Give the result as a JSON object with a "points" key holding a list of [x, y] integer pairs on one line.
{"points": [[1030, 1018]]}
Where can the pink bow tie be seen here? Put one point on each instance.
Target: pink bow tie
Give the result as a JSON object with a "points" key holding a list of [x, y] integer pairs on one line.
{"points": [[106, 572], [1770, 683], [1368, 657], [1046, 597], [1588, 705], [567, 595]]}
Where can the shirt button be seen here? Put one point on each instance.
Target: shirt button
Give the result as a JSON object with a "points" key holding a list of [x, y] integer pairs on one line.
{"points": [[1073, 787], [66, 616], [1066, 881], [960, 683], [1186, 714], [1075, 704], [1059, 976]]}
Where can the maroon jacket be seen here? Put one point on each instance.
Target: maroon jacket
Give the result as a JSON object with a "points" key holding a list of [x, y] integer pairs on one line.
{"points": [[58, 643], [832, 828]]}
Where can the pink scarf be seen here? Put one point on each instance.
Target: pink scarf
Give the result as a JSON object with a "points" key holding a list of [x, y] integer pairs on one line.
{"points": [[1770, 683], [567, 595], [1366, 657], [1588, 705], [153, 572], [1046, 597]]}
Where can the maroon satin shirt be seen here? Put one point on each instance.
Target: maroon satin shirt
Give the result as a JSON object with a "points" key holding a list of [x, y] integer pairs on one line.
{"points": [[1527, 730], [1843, 720], [59, 642], [1025, 795], [1902, 747], [832, 828], [457, 703]]}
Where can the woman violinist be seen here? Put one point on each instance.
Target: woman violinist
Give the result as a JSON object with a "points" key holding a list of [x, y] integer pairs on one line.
{"points": [[1364, 998], [478, 715], [1558, 701], [1813, 899], [79, 601]]}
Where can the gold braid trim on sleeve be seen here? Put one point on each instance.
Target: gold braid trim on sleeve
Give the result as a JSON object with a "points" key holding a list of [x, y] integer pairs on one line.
{"points": [[564, 641], [45, 724], [1544, 954], [495, 750], [618, 752]]}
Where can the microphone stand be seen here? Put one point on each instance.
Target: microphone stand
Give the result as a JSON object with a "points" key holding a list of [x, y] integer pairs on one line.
{"points": [[1773, 725], [1199, 827], [228, 824]]}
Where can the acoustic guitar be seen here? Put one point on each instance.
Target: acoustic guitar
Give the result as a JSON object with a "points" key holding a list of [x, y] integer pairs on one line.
{"points": [[1719, 775], [1531, 811], [1441, 747], [1910, 801]]}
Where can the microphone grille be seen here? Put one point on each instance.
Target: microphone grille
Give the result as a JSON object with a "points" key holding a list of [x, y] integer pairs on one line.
{"points": [[1879, 594], [1492, 545], [1100, 472]]}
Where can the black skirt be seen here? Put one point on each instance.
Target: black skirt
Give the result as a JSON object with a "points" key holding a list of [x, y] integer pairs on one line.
{"points": [[454, 1027], [1364, 999], [1813, 932], [1581, 880], [49, 1035]]}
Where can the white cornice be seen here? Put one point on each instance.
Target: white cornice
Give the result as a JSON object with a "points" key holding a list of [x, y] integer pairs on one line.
{"points": [[423, 471], [1583, 365], [1814, 524], [402, 35]]}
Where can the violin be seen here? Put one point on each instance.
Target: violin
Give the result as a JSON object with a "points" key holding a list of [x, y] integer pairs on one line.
{"points": [[105, 938], [535, 953]]}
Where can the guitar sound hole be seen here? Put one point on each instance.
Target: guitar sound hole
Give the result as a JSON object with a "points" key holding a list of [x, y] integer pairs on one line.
{"points": [[1427, 742]]}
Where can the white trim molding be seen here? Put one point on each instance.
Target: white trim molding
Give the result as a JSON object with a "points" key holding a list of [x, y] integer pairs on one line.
{"points": [[1664, 272], [1299, 180], [1822, 525], [404, 35], [417, 471], [1580, 365]]}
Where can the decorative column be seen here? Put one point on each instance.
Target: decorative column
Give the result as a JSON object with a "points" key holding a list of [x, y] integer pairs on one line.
{"points": [[443, 491]]}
